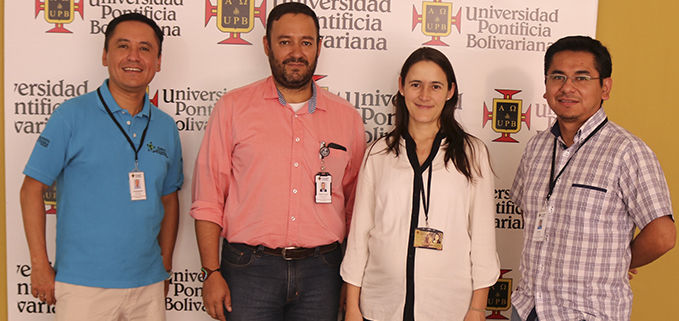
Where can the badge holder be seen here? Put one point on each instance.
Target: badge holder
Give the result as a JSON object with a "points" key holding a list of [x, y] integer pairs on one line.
{"points": [[428, 238], [323, 179], [539, 232], [137, 184]]}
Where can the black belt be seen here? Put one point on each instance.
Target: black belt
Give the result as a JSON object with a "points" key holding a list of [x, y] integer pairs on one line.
{"points": [[292, 253]]}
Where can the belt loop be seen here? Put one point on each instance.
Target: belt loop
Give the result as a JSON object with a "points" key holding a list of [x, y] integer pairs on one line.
{"points": [[259, 251], [317, 251]]}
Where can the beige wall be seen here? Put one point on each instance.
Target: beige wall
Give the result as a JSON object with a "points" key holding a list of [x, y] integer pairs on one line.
{"points": [[642, 36]]}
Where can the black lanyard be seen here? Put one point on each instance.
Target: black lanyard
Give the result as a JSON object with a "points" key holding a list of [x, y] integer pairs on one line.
{"points": [[426, 198], [419, 169], [552, 180], [143, 135]]}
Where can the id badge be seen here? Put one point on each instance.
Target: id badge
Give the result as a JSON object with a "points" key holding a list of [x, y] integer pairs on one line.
{"points": [[137, 186], [539, 232], [428, 238], [323, 188]]}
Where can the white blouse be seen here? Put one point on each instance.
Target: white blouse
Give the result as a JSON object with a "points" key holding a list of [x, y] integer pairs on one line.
{"points": [[377, 244]]}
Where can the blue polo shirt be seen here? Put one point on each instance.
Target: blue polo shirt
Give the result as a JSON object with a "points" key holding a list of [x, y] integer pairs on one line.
{"points": [[104, 239]]}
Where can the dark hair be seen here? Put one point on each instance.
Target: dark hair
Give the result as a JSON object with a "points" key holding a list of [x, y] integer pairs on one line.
{"points": [[294, 8], [134, 17], [458, 142], [602, 58]]}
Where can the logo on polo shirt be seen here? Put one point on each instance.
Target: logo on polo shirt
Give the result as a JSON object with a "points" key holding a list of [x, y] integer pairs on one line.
{"points": [[499, 296], [157, 149], [235, 17], [437, 20], [506, 115], [59, 12]]}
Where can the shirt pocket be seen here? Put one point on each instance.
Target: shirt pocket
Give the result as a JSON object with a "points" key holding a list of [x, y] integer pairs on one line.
{"points": [[588, 202], [336, 164]]}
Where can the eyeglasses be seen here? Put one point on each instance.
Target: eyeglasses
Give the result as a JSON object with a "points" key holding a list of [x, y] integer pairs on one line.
{"points": [[560, 80]]}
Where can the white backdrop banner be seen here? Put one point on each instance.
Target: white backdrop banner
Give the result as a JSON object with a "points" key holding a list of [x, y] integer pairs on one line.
{"points": [[53, 52]]}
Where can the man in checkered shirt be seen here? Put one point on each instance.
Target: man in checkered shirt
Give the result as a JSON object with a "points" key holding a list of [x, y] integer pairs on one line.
{"points": [[588, 182]]}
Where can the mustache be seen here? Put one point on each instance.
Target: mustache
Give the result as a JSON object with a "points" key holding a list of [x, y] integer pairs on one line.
{"points": [[296, 60]]}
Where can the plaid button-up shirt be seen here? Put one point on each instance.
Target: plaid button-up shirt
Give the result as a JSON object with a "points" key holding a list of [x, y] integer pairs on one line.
{"points": [[612, 183]]}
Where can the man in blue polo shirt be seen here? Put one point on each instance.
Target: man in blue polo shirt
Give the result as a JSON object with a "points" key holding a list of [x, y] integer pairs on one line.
{"points": [[117, 162]]}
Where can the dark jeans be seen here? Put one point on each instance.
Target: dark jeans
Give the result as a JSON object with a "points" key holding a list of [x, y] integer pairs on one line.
{"points": [[269, 288], [531, 317]]}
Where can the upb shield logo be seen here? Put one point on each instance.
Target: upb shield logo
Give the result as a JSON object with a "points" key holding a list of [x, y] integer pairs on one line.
{"points": [[59, 12], [499, 297], [436, 18], [506, 115], [235, 16], [50, 199]]}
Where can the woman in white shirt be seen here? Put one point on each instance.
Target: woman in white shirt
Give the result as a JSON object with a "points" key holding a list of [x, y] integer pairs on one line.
{"points": [[422, 239]]}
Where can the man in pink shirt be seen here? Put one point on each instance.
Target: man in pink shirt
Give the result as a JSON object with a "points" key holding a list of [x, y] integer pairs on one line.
{"points": [[267, 150]]}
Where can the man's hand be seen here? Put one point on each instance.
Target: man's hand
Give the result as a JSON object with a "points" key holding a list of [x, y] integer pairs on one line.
{"points": [[42, 283], [216, 296], [631, 273]]}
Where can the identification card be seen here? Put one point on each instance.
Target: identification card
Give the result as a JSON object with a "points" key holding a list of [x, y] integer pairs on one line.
{"points": [[428, 238], [539, 232], [323, 188], [137, 186]]}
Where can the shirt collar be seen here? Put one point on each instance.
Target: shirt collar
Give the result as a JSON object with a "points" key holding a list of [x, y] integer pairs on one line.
{"points": [[587, 128], [113, 105], [311, 102]]}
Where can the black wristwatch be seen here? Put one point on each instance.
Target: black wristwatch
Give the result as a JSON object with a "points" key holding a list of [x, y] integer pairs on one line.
{"points": [[205, 273]]}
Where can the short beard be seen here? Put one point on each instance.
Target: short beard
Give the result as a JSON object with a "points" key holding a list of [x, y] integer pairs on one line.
{"points": [[286, 80]]}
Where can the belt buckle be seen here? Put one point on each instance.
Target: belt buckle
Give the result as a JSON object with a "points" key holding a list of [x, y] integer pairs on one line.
{"points": [[285, 249]]}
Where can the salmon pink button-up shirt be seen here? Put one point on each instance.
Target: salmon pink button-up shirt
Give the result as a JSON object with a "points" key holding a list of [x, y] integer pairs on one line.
{"points": [[256, 168]]}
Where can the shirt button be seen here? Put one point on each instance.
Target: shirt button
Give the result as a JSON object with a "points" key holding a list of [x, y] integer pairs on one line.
{"points": [[128, 122], [296, 116], [134, 135], [297, 139], [293, 218], [294, 190], [296, 164]]}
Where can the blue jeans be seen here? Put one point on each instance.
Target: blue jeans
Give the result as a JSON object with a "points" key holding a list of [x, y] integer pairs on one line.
{"points": [[269, 288]]}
